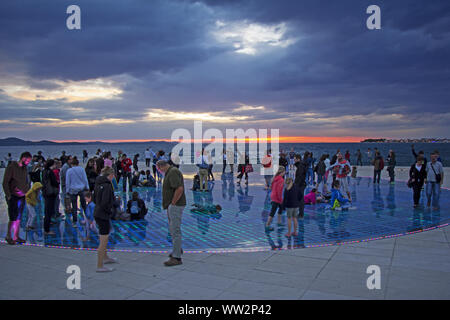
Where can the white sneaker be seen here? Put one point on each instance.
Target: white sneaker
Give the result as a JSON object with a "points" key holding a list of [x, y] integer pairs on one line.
{"points": [[105, 269], [110, 260]]}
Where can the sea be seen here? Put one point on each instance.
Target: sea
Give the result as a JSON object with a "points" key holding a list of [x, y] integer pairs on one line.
{"points": [[403, 152]]}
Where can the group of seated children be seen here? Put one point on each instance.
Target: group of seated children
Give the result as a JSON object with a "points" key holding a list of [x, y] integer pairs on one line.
{"points": [[292, 198], [143, 179]]}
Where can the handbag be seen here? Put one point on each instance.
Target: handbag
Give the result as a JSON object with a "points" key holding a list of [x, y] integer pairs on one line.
{"points": [[438, 176], [409, 183], [248, 168]]}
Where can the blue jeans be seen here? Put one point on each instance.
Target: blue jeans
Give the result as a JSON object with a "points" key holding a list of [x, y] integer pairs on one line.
{"points": [[309, 176], [433, 191]]}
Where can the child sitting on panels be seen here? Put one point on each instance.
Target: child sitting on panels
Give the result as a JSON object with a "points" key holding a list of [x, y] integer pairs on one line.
{"points": [[337, 199], [312, 197], [136, 207], [146, 179]]}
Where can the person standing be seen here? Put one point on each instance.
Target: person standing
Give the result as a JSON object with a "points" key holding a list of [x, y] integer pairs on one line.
{"points": [[63, 158], [8, 159], [435, 179], [76, 184], [174, 200], [417, 176], [342, 168], [300, 181], [347, 155], [104, 200], [50, 190], [202, 164], [85, 156], [135, 162], [359, 158], [378, 165], [126, 173], [224, 158], [268, 169], [15, 186], [91, 174], [391, 166], [369, 156], [63, 173], [276, 197]]}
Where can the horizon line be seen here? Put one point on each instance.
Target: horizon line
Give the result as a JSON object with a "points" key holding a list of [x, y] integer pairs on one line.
{"points": [[283, 139]]}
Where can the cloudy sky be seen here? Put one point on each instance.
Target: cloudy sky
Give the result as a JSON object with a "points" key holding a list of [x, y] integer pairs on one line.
{"points": [[139, 69]]}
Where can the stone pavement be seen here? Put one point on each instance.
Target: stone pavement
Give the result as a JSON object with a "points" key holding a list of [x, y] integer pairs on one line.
{"points": [[412, 267]]}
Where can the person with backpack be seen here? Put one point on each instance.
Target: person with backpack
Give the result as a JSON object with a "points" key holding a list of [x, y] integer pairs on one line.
{"points": [[320, 170], [136, 207], [378, 166]]}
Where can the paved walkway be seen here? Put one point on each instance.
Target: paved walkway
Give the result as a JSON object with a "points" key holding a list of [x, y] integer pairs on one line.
{"points": [[412, 267]]}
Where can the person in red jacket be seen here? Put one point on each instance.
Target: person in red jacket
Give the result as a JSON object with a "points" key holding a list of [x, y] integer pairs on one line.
{"points": [[276, 196], [126, 173]]}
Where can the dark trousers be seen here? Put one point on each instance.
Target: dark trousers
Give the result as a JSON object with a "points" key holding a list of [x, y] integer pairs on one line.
{"points": [[276, 206], [224, 166], [391, 171], [16, 205], [301, 209], [359, 162], [376, 176], [127, 176], [49, 211], [154, 170], [147, 162], [417, 189], [74, 201]]}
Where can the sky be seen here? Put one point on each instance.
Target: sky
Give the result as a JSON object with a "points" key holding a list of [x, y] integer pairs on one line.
{"points": [[138, 69]]}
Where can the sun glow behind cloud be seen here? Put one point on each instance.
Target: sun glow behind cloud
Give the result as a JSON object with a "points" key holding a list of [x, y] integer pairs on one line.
{"points": [[71, 91], [251, 38], [156, 114]]}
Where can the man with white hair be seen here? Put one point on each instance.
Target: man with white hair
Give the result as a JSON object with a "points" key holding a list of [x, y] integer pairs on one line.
{"points": [[174, 200]]}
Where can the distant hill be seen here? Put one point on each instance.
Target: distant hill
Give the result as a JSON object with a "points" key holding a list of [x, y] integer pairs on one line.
{"points": [[19, 142]]}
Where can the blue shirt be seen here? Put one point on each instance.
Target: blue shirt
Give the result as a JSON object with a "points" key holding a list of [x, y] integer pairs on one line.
{"points": [[76, 180]]}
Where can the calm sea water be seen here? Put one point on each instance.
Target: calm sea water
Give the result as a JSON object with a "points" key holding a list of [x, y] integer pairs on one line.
{"points": [[403, 150]]}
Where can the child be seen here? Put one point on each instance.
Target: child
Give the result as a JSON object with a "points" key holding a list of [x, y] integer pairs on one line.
{"points": [[276, 196], [148, 181], [337, 200], [312, 198], [136, 207], [292, 200], [90, 207], [32, 199]]}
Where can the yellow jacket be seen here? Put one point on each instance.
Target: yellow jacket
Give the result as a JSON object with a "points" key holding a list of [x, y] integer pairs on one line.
{"points": [[32, 196]]}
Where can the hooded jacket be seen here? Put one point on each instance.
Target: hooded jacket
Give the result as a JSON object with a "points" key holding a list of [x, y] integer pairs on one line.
{"points": [[32, 195], [277, 189], [103, 198], [300, 174]]}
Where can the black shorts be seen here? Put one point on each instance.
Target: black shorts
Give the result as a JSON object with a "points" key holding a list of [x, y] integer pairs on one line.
{"points": [[16, 205], [104, 226]]}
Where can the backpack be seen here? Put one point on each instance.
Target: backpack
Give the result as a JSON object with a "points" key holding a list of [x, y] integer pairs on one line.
{"points": [[381, 164], [134, 207]]}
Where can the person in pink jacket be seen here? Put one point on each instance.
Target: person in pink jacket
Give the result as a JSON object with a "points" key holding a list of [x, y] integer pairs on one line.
{"points": [[312, 198], [276, 196]]}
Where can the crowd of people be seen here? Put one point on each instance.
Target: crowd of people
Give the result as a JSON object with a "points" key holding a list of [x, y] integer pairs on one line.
{"points": [[90, 192]]}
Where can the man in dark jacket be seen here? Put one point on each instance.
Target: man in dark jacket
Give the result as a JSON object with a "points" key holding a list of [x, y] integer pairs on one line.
{"points": [[15, 186], [300, 181], [104, 201]]}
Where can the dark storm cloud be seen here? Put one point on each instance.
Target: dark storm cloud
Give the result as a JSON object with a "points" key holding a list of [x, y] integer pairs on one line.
{"points": [[336, 68]]}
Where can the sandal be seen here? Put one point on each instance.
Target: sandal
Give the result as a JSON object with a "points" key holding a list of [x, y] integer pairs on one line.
{"points": [[104, 269], [110, 260]]}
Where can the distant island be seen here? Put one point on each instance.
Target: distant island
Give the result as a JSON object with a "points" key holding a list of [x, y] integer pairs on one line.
{"points": [[8, 142], [421, 140]]}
